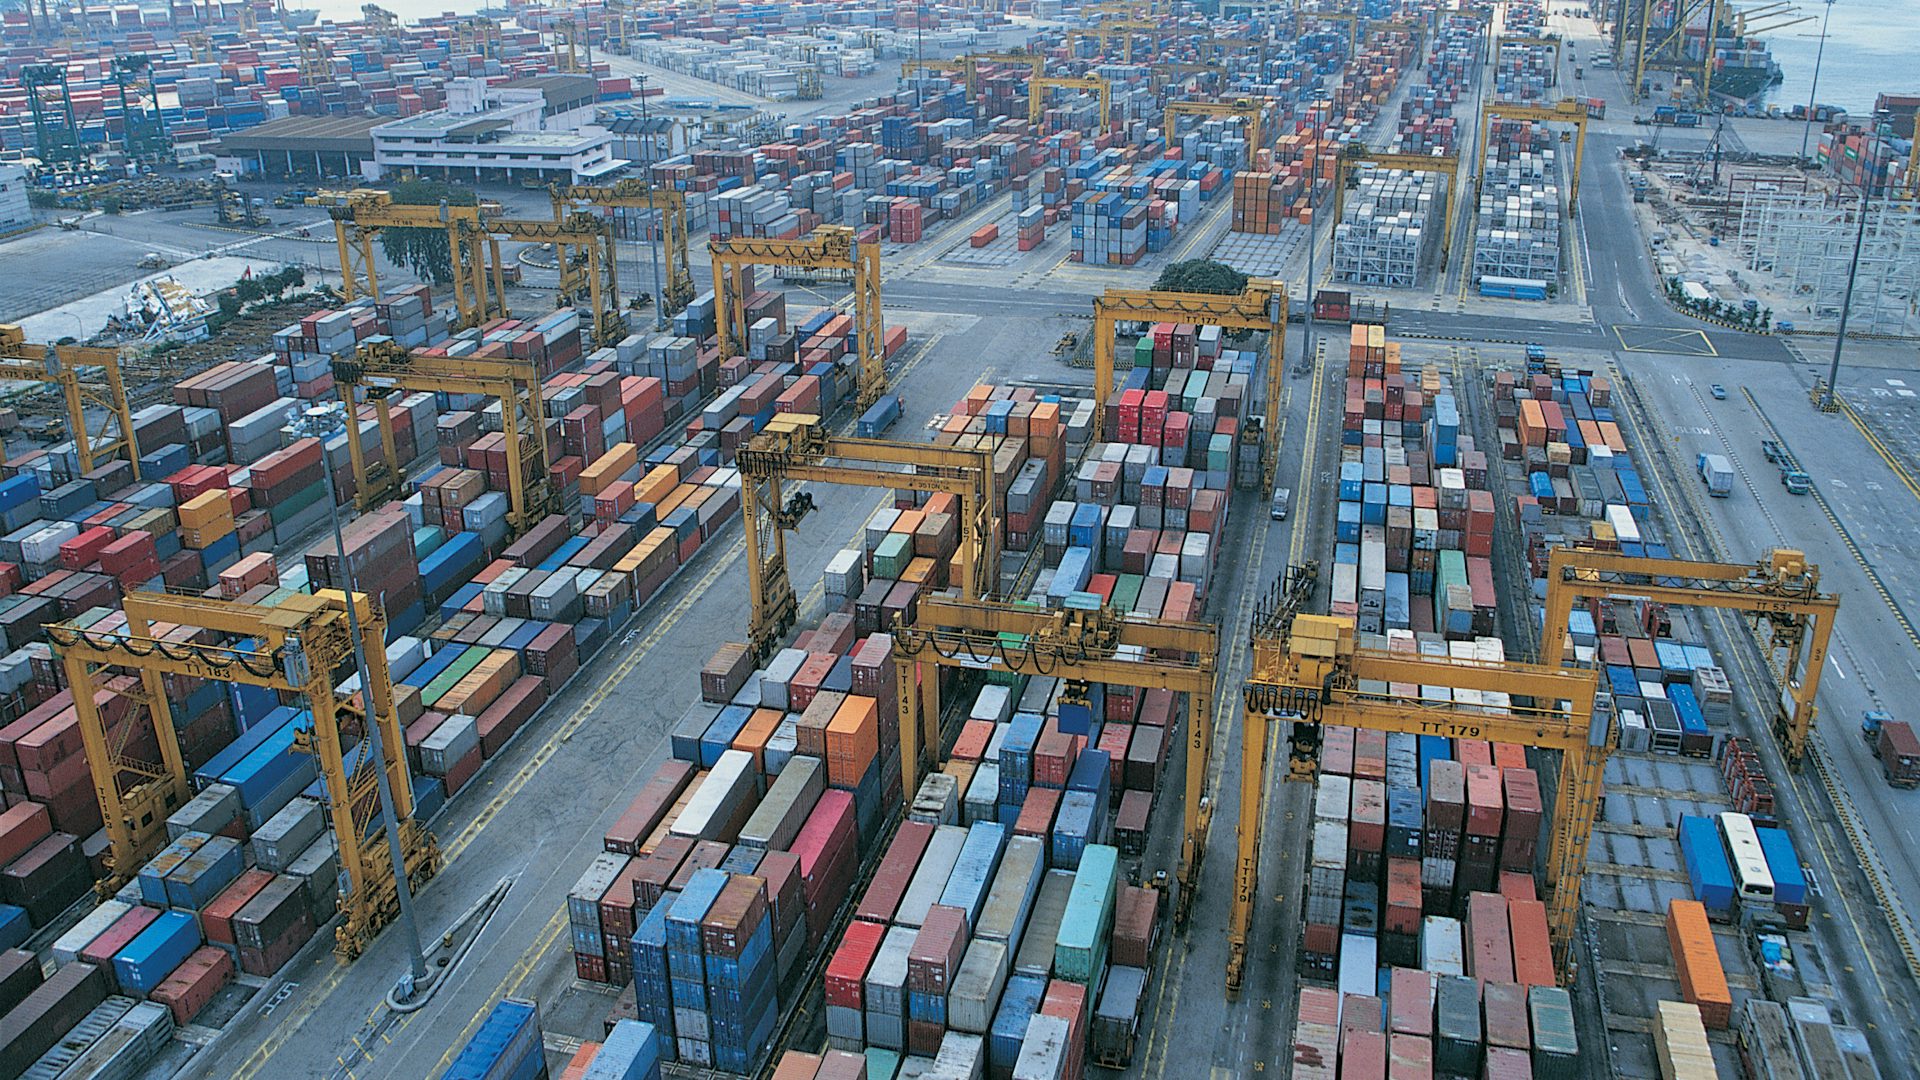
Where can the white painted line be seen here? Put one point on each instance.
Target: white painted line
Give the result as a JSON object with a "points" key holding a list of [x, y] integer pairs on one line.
{"points": [[1838, 670]]}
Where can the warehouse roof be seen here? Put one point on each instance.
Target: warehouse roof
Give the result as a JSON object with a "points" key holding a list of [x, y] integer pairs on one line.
{"points": [[563, 92], [327, 134]]}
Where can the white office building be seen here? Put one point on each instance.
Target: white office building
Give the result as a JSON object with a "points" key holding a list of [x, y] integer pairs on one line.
{"points": [[536, 128]]}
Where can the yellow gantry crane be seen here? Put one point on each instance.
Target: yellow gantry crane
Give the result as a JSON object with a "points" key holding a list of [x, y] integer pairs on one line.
{"points": [[1262, 306], [828, 247], [1101, 646], [1312, 671], [583, 250], [641, 195], [1355, 156], [1037, 95], [1414, 27], [796, 448], [582, 243], [1667, 47], [1035, 63], [1781, 592], [378, 371], [1251, 113], [58, 365], [1121, 30], [299, 646], [1565, 111], [360, 214]]}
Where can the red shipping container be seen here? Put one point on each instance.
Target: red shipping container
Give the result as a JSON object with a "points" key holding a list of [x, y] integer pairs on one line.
{"points": [[1532, 947], [1504, 1005], [1409, 1057], [1484, 803], [1402, 914], [1363, 1054], [1411, 1001], [895, 872], [650, 807], [847, 971], [972, 743], [1036, 814], [1367, 824], [1068, 1001], [194, 983], [216, 919], [101, 950], [1489, 939], [1517, 885], [21, 827]]}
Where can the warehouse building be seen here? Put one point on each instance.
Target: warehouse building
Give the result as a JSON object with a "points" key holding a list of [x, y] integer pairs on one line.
{"points": [[535, 128], [301, 148], [14, 211]]}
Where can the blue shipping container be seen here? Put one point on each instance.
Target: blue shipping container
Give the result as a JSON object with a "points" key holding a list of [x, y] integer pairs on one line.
{"points": [[631, 1052], [153, 953], [508, 1046], [1783, 862], [1706, 862]]}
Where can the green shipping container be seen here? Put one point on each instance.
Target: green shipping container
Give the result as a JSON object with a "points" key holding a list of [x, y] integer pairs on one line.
{"points": [[443, 682], [1126, 592], [882, 1064], [1080, 949], [891, 556], [282, 512], [426, 539], [1143, 352], [1219, 453]]}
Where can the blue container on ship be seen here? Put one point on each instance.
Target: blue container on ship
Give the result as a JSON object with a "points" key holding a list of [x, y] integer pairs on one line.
{"points": [[200, 878], [686, 959], [248, 741], [146, 961], [973, 871], [720, 734], [1073, 829], [15, 927], [1016, 757], [270, 765], [1093, 774], [432, 666]]}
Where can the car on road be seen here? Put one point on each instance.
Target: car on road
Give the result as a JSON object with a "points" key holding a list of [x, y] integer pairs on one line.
{"points": [[1719, 392], [1281, 497]]}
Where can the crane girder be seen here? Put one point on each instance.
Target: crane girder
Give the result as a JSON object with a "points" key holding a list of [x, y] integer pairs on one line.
{"points": [[1037, 98], [827, 247], [1091, 646], [1251, 113], [796, 448], [303, 642]]}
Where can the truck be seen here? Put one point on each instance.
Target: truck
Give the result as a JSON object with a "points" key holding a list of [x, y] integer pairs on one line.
{"points": [[1717, 473], [1338, 305], [1899, 752], [1792, 477]]}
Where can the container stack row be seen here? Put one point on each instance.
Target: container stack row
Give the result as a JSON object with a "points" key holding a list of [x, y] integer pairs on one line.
{"points": [[1517, 231], [1388, 227]]}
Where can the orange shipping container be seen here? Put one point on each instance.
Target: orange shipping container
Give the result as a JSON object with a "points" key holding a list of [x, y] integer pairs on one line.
{"points": [[582, 1058], [607, 468], [657, 482], [755, 733], [1532, 947], [1696, 960], [853, 740]]}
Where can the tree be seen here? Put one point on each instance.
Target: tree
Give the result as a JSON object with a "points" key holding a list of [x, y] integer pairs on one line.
{"points": [[1201, 276], [248, 290], [424, 251], [229, 303]]}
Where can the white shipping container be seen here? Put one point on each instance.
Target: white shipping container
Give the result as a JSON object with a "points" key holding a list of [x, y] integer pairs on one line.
{"points": [[975, 992], [44, 546], [886, 990], [930, 880], [1003, 917], [1442, 948], [710, 811], [779, 672], [994, 703], [449, 742], [845, 574], [67, 947], [1043, 1053]]}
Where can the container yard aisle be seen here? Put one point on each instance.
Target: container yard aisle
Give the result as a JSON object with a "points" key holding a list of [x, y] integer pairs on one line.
{"points": [[539, 815], [1860, 518], [1185, 1010]]}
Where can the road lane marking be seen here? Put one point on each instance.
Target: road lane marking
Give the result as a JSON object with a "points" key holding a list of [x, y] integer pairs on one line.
{"points": [[1879, 446]]}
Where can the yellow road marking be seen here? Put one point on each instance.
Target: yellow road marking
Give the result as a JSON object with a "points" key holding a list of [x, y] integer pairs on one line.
{"points": [[1665, 339], [1879, 446]]}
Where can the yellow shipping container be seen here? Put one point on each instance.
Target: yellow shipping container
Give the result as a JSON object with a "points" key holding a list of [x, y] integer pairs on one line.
{"points": [[607, 468], [207, 508], [655, 484]]}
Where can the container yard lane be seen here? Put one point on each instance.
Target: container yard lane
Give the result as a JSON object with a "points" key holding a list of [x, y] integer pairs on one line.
{"points": [[540, 812], [1856, 525]]}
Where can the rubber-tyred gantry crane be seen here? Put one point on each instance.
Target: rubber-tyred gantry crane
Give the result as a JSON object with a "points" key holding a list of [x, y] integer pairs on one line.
{"points": [[795, 447], [1781, 592], [299, 646], [1355, 155], [1090, 646], [359, 216], [60, 365], [1251, 112], [1037, 95], [640, 195], [1262, 306], [1566, 111], [1312, 671], [378, 371], [829, 247]]}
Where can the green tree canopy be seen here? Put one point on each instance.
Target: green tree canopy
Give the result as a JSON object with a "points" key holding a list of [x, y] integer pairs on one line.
{"points": [[1201, 276], [424, 251]]}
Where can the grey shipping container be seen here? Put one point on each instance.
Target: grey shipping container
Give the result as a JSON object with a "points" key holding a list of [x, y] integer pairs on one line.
{"points": [[886, 990], [790, 798], [1457, 1039], [287, 834], [1043, 1053], [1116, 1020], [1035, 955], [1556, 1048], [930, 880], [77, 1039], [1010, 901], [975, 992]]}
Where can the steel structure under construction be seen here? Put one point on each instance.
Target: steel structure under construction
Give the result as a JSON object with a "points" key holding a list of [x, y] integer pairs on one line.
{"points": [[1806, 243]]}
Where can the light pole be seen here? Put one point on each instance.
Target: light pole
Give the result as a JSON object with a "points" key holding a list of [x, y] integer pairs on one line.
{"points": [[653, 248], [317, 422], [1806, 129], [1831, 401]]}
